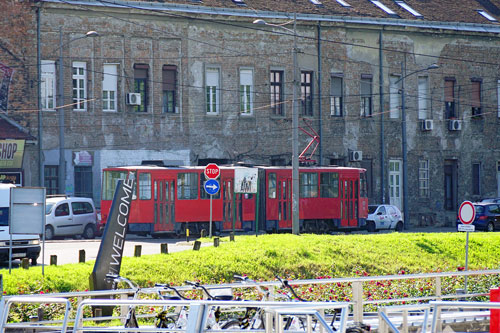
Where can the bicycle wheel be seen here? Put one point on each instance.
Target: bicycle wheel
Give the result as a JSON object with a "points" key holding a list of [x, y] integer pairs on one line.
{"points": [[131, 321], [232, 324]]}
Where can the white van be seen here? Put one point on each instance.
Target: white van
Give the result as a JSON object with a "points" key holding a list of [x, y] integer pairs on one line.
{"points": [[23, 246], [70, 216]]}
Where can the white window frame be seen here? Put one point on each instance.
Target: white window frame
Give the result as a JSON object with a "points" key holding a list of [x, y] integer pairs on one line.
{"points": [[423, 178], [48, 85], [246, 91], [80, 90], [423, 97], [109, 86], [212, 90], [394, 97]]}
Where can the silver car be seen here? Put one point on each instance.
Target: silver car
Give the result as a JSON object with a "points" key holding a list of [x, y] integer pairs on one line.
{"points": [[384, 217], [70, 216]]}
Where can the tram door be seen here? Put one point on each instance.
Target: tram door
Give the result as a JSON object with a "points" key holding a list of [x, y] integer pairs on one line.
{"points": [[231, 206], [164, 212], [349, 202], [284, 190]]}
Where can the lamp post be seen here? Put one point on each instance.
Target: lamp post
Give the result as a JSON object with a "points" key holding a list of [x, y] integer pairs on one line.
{"points": [[403, 136], [295, 124], [62, 160]]}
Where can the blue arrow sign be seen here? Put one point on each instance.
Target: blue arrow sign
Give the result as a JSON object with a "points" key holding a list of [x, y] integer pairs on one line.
{"points": [[212, 186]]}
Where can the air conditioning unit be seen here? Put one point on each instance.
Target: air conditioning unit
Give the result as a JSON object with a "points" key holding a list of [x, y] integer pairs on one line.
{"points": [[355, 156], [455, 125], [134, 99], [427, 125]]}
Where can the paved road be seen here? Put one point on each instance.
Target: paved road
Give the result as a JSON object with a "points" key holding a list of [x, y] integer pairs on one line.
{"points": [[67, 250]]}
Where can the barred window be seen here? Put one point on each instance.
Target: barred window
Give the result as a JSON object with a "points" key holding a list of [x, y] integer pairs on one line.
{"points": [[423, 178]]}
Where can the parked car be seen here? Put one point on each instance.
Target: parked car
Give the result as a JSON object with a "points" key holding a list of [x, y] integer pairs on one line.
{"points": [[70, 216], [490, 200], [384, 217], [487, 216]]}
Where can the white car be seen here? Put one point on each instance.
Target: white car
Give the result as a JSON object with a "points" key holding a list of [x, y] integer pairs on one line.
{"points": [[70, 216], [384, 217]]}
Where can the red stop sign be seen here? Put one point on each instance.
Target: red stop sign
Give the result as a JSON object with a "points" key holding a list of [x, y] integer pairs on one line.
{"points": [[212, 171]]}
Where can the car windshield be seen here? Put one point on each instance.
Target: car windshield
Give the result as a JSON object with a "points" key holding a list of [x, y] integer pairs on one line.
{"points": [[372, 209], [48, 207], [479, 209]]}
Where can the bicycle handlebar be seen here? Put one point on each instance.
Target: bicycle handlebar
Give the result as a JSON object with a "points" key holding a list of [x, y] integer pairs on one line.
{"points": [[197, 285], [117, 278], [285, 284], [169, 287]]}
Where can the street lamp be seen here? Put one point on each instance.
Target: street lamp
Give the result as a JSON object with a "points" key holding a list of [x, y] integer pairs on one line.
{"points": [[295, 124], [62, 160], [403, 136]]}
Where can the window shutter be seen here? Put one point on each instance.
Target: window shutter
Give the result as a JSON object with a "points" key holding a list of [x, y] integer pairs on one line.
{"points": [[169, 77]]}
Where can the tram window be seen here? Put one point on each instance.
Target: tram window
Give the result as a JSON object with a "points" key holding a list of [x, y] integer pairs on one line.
{"points": [[204, 194], [308, 185], [329, 184], [363, 191], [187, 185], [271, 184], [145, 186], [111, 178]]}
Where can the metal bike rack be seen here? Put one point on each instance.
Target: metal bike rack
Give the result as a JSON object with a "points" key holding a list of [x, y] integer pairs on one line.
{"points": [[48, 325]]}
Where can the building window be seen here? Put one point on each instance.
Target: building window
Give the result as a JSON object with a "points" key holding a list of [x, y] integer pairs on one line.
{"points": [[277, 105], [169, 87], [51, 179], [246, 91], [109, 87], [141, 85], [476, 178], [395, 97], [308, 185], [423, 178], [336, 95], [48, 87], [449, 98], [366, 95], [83, 181], [212, 86], [423, 97], [187, 185], [79, 86], [306, 93], [476, 97]]}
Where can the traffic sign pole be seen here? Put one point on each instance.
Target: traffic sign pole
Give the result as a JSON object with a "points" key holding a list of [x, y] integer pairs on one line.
{"points": [[466, 215], [210, 227]]}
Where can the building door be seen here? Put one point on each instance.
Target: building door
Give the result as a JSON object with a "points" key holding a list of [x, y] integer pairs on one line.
{"points": [[395, 176], [83, 181], [498, 179], [164, 205]]}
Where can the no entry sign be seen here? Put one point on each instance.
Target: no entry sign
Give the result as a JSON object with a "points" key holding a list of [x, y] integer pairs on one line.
{"points": [[466, 212], [212, 171]]}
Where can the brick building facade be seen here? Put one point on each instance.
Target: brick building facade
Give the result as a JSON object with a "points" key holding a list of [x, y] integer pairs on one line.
{"points": [[188, 82]]}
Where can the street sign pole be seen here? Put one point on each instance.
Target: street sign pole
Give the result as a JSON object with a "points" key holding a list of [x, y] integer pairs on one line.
{"points": [[466, 215], [466, 259], [210, 227]]}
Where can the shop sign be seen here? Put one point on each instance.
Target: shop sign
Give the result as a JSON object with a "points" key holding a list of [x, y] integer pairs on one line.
{"points": [[82, 158], [11, 154]]}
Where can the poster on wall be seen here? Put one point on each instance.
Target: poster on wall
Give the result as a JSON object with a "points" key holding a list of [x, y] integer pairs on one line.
{"points": [[245, 180]]}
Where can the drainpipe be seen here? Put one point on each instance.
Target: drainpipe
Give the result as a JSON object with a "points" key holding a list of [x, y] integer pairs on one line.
{"points": [[381, 92], [39, 99], [320, 98]]}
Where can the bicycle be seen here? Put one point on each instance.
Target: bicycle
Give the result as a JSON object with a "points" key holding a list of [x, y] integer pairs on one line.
{"points": [[178, 320], [130, 319]]}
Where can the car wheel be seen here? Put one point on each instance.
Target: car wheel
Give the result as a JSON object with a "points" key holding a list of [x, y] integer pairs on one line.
{"points": [[490, 227], [399, 226], [49, 233], [370, 226], [89, 232], [33, 261]]}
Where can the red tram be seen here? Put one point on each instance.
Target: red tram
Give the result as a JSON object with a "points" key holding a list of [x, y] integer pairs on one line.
{"points": [[171, 199]]}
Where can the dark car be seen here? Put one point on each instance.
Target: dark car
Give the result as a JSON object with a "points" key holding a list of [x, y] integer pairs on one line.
{"points": [[490, 200], [487, 216]]}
